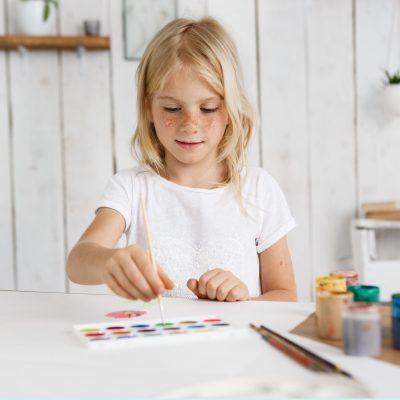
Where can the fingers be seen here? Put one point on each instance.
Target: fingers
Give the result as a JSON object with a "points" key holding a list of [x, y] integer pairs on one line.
{"points": [[214, 284], [224, 290], [145, 275], [220, 285], [205, 279], [132, 281], [192, 284], [168, 283], [237, 293], [130, 273], [210, 282], [135, 275], [112, 283]]}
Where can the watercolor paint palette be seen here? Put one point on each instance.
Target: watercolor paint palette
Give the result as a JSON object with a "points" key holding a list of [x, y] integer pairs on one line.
{"points": [[152, 332]]}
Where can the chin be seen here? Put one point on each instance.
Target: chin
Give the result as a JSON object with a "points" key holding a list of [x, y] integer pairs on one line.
{"points": [[188, 159]]}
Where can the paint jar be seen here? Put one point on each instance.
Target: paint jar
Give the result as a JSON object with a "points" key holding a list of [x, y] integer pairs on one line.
{"points": [[396, 320], [328, 284], [330, 318], [351, 277], [362, 335], [365, 293]]}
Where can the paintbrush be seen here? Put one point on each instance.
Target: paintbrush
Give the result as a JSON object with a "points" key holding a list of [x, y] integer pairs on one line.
{"points": [[152, 259], [305, 357]]}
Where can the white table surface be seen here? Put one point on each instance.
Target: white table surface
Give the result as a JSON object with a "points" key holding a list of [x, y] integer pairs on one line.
{"points": [[40, 356]]}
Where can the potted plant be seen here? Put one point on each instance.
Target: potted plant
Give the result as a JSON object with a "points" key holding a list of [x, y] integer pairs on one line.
{"points": [[35, 17], [391, 92]]}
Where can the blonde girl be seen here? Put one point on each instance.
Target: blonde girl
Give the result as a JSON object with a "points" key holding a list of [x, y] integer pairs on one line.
{"points": [[219, 227]]}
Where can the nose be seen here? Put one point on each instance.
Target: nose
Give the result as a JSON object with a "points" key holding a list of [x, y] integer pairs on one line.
{"points": [[190, 123]]}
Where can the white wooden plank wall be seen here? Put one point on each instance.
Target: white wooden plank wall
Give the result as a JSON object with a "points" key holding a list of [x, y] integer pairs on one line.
{"points": [[331, 132], [123, 89], [240, 23], [88, 132], [6, 225], [36, 169], [378, 134], [311, 67], [284, 118]]}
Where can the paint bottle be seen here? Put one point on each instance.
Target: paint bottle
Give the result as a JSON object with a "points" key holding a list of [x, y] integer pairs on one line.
{"points": [[365, 293], [396, 320], [328, 284], [330, 318], [352, 277], [362, 334]]}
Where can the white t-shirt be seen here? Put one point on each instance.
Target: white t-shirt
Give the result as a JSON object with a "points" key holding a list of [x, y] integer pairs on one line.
{"points": [[194, 230]]}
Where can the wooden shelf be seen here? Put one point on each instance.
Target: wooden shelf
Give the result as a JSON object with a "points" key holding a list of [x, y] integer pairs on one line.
{"points": [[55, 42]]}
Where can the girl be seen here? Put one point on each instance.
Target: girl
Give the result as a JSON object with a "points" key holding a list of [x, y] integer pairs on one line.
{"points": [[218, 227]]}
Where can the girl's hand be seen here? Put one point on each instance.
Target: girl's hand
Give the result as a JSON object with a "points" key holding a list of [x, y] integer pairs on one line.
{"points": [[220, 285], [129, 273]]}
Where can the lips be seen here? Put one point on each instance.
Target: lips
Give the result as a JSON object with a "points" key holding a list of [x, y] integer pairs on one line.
{"points": [[183, 142], [188, 145]]}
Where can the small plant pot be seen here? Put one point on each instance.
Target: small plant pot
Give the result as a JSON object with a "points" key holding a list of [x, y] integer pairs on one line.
{"points": [[29, 18], [391, 98]]}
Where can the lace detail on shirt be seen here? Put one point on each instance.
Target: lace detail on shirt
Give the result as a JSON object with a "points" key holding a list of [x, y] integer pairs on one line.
{"points": [[182, 260]]}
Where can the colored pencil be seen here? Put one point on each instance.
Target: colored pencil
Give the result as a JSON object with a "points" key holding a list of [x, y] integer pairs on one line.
{"points": [[305, 357], [152, 258]]}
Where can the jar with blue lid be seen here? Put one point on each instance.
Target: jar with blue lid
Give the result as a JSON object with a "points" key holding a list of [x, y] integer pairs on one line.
{"points": [[396, 320]]}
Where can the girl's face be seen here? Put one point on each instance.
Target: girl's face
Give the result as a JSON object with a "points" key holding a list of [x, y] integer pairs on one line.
{"points": [[189, 118]]}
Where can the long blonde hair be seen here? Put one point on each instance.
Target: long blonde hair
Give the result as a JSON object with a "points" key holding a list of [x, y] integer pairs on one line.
{"points": [[205, 46]]}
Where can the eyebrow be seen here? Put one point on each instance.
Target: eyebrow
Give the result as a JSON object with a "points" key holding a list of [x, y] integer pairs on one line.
{"points": [[202, 100]]}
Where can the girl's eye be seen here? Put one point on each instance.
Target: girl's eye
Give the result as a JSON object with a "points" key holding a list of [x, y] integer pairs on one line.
{"points": [[171, 109], [209, 110]]}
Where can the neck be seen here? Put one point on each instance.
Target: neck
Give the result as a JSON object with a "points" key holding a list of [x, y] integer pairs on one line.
{"points": [[206, 176]]}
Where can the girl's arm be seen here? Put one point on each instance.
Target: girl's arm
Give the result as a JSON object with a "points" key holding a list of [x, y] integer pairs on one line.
{"points": [[276, 273], [88, 257], [128, 272]]}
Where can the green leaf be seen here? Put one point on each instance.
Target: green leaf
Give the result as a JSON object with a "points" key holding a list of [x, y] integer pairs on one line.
{"points": [[392, 79], [46, 11]]}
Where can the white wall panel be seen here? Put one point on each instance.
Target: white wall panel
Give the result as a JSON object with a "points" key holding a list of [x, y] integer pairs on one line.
{"points": [[378, 132], [192, 8], [332, 138], [123, 89], [87, 125], [378, 135], [36, 154], [240, 23], [283, 83], [6, 221]]}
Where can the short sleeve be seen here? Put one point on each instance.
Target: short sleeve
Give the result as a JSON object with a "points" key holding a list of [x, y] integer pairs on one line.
{"points": [[118, 195], [276, 219]]}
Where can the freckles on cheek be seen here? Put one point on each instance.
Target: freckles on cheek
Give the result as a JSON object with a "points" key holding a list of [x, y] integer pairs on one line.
{"points": [[169, 122], [212, 123]]}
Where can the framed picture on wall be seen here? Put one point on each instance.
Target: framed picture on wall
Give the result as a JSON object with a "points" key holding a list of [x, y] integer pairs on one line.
{"points": [[142, 20]]}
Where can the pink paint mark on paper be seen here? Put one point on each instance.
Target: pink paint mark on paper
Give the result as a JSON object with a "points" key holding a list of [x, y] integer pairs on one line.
{"points": [[125, 314]]}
